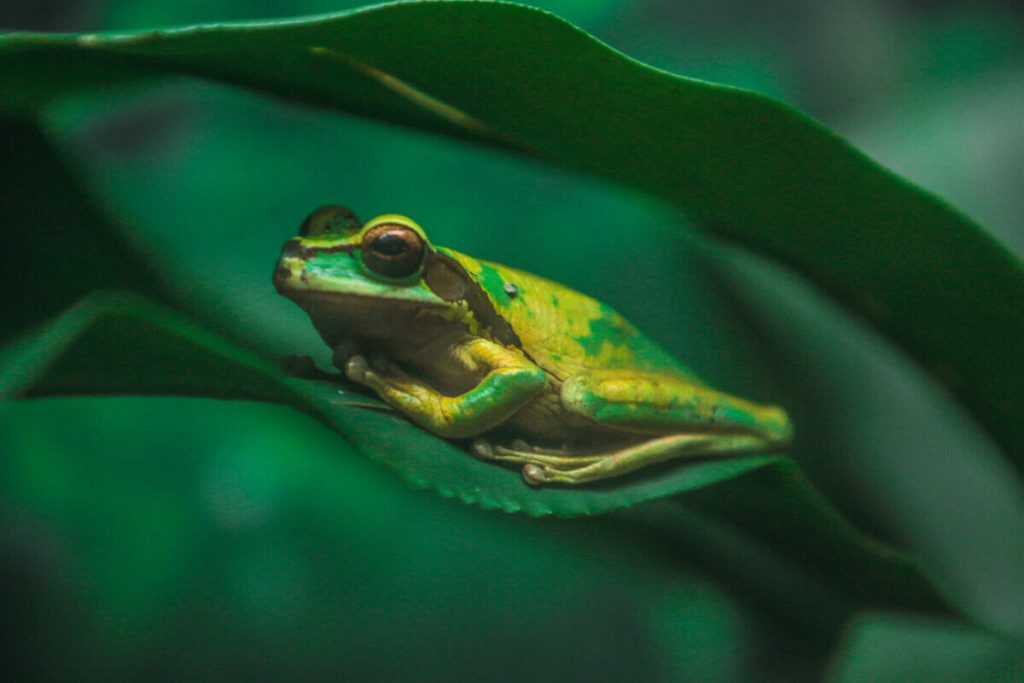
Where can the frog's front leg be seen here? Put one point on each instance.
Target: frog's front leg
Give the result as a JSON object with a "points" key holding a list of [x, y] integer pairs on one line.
{"points": [[510, 382]]}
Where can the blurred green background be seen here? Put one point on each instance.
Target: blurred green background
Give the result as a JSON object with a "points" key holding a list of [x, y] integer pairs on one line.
{"points": [[187, 539]]}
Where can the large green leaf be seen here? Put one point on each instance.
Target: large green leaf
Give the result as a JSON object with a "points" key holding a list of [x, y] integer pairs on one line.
{"points": [[120, 344], [762, 526], [517, 78]]}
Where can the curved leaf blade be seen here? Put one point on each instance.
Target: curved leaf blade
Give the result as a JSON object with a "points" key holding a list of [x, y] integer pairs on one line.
{"points": [[748, 167], [762, 526], [113, 343]]}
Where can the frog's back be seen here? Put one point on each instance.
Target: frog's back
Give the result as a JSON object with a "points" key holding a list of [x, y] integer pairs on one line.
{"points": [[562, 330]]}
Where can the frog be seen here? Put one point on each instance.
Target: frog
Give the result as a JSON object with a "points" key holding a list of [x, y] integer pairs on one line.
{"points": [[527, 372]]}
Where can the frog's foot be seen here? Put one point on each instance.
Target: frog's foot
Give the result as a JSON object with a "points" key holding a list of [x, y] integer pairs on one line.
{"points": [[540, 469], [357, 368], [392, 384], [532, 458], [520, 447], [361, 370]]}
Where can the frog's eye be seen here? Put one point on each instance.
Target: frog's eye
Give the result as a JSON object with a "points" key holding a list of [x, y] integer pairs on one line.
{"points": [[393, 250], [330, 220]]}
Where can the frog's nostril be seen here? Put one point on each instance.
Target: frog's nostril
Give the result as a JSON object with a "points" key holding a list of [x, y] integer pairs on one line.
{"points": [[291, 249]]}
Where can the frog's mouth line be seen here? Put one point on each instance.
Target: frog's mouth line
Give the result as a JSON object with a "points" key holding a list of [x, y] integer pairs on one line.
{"points": [[293, 248], [293, 279], [311, 296]]}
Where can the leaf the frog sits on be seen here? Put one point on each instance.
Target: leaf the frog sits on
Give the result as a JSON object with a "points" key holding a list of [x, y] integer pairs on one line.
{"points": [[542, 376]]}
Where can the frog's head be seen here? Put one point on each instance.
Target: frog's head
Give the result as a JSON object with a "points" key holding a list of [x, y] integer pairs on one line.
{"points": [[368, 279]]}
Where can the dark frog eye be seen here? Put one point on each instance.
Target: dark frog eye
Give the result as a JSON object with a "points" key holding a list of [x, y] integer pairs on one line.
{"points": [[330, 220], [393, 250]]}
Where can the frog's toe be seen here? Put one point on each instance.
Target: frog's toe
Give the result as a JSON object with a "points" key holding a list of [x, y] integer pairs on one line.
{"points": [[535, 475], [357, 368], [483, 448], [541, 475]]}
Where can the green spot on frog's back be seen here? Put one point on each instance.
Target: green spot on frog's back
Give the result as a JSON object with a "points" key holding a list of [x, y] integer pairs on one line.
{"points": [[492, 282], [601, 329]]}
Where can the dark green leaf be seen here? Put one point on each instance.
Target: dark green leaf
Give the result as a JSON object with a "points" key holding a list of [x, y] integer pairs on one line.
{"points": [[771, 533], [763, 526], [120, 344], [746, 166], [114, 343]]}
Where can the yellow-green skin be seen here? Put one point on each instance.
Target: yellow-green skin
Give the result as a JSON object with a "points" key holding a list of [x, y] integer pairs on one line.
{"points": [[559, 383]]}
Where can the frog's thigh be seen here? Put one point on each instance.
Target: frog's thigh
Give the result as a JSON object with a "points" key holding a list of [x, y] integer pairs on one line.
{"points": [[656, 403], [511, 381]]}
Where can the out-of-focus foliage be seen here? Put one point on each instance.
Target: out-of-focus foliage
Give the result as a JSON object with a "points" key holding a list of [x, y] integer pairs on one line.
{"points": [[912, 650], [251, 554], [181, 537]]}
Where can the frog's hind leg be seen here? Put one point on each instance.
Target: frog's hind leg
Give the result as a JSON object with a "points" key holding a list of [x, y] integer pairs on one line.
{"points": [[542, 466], [660, 417], [580, 470], [656, 403], [519, 452]]}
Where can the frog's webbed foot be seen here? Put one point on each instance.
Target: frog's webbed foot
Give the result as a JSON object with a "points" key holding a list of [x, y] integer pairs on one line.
{"points": [[356, 369], [541, 468], [535, 460], [372, 371]]}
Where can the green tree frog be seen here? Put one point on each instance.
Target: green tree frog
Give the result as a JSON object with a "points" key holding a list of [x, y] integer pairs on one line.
{"points": [[539, 375]]}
